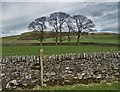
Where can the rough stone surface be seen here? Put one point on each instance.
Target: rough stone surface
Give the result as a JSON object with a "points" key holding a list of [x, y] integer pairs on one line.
{"points": [[24, 71]]}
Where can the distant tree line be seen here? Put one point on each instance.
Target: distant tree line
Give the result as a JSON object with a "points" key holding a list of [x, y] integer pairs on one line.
{"points": [[60, 22]]}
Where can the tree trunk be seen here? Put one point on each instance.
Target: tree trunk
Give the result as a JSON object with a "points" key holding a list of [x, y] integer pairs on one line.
{"points": [[56, 38], [69, 40], [69, 37], [41, 41], [60, 36], [41, 38], [78, 39]]}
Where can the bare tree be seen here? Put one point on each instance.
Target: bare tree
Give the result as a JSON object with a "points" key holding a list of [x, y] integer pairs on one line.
{"points": [[70, 26], [38, 25], [59, 21], [83, 24], [31, 26], [56, 20]]}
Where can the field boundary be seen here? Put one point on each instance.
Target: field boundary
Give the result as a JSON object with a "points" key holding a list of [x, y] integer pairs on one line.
{"points": [[64, 69]]}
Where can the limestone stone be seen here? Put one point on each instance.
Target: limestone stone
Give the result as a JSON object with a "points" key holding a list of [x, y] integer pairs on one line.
{"points": [[60, 69]]}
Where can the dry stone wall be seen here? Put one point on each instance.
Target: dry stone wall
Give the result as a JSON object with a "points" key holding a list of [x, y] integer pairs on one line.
{"points": [[24, 71]]}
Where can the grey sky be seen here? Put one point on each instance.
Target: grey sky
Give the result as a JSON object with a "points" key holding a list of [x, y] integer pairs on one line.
{"points": [[16, 16]]}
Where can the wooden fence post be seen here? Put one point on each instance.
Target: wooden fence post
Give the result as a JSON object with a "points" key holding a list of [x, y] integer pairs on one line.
{"points": [[41, 65]]}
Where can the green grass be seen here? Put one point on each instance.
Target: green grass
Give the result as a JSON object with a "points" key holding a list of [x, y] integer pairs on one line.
{"points": [[95, 38], [93, 86], [13, 40], [111, 87], [48, 50]]}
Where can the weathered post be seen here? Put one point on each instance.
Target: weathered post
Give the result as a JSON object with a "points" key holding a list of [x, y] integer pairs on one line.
{"points": [[41, 65]]}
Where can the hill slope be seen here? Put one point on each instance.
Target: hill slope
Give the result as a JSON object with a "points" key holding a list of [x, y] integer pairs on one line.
{"points": [[49, 37]]}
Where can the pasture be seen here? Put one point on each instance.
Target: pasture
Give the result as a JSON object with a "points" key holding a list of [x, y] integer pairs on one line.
{"points": [[113, 39], [49, 50], [60, 49]]}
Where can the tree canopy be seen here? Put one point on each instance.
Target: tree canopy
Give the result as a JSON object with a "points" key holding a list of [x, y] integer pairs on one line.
{"points": [[60, 22]]}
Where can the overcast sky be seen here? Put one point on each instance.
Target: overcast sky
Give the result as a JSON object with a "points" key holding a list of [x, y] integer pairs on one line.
{"points": [[16, 16]]}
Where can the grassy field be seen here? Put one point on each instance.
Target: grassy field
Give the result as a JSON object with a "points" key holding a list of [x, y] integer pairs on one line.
{"points": [[34, 50], [93, 86], [94, 38], [103, 87], [48, 50]]}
